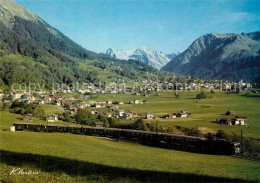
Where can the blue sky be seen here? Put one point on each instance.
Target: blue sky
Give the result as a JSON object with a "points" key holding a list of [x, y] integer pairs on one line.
{"points": [[164, 25]]}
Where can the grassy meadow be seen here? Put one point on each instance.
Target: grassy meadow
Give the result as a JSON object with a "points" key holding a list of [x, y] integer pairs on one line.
{"points": [[76, 158], [51, 109], [204, 111], [34, 150]]}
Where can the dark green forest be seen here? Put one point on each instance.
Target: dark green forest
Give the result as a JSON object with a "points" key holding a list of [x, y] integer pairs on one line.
{"points": [[55, 58]]}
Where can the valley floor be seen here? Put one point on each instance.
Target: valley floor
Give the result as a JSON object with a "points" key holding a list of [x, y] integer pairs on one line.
{"points": [[204, 112], [77, 158]]}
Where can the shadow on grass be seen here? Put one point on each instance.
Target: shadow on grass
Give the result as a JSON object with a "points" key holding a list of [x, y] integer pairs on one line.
{"points": [[224, 115], [215, 122], [254, 96], [109, 173]]}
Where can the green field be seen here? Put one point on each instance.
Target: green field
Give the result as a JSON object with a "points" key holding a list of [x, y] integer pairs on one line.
{"points": [[78, 158], [51, 109], [204, 112], [103, 152], [202, 116]]}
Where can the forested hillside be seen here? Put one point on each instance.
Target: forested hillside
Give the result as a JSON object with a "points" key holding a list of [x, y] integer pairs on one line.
{"points": [[32, 51]]}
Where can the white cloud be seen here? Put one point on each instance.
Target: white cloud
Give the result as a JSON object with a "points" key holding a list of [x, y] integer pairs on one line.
{"points": [[234, 17]]}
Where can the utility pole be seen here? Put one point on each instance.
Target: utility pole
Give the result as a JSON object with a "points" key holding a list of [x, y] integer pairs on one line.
{"points": [[197, 131], [118, 135], [241, 141], [156, 127], [47, 123]]}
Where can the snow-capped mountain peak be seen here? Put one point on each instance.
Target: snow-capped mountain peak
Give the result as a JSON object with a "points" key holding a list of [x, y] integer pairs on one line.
{"points": [[143, 54]]}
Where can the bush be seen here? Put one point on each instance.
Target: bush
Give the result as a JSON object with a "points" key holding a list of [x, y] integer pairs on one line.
{"points": [[195, 132], [18, 110], [251, 147], [221, 134], [15, 104], [61, 117], [35, 110], [84, 117], [140, 125], [65, 116], [235, 137], [103, 119], [210, 136], [201, 95], [113, 122], [22, 108], [6, 107], [171, 129], [151, 127]]}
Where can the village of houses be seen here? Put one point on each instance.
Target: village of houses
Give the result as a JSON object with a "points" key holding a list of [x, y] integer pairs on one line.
{"points": [[72, 103], [69, 104]]}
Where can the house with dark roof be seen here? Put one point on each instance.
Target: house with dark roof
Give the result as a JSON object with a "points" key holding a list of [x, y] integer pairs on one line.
{"points": [[240, 120], [225, 121], [27, 117], [170, 116], [231, 113], [184, 114]]}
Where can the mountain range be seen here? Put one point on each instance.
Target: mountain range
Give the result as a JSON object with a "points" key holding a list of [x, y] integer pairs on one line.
{"points": [[143, 54], [33, 51], [220, 56]]}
